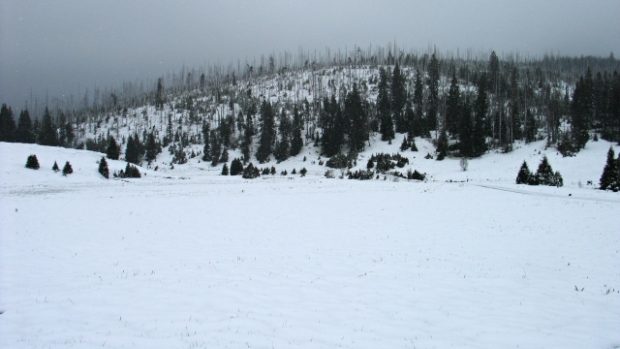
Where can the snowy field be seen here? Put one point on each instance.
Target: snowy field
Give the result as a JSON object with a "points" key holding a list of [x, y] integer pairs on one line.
{"points": [[205, 261]]}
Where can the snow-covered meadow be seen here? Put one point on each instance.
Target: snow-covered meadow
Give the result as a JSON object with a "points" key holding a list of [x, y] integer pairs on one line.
{"points": [[190, 259]]}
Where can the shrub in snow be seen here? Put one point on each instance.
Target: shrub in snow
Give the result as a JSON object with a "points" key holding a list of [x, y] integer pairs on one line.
{"points": [[294, 172], [303, 172], [361, 175], [339, 161], [250, 171], [225, 170], [103, 168], [386, 162], [428, 156], [55, 168], [265, 171], [32, 162], [416, 175], [130, 172], [273, 171], [67, 169], [329, 174], [284, 173], [236, 167]]}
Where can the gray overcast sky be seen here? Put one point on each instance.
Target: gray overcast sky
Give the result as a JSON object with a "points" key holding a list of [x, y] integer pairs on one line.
{"points": [[64, 46]]}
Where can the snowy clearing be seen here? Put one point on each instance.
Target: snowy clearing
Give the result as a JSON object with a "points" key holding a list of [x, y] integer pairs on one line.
{"points": [[290, 262]]}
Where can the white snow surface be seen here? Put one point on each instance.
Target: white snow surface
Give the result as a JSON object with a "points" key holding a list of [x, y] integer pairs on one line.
{"points": [[187, 258]]}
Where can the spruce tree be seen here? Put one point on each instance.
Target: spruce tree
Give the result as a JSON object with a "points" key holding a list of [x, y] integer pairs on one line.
{"points": [[298, 125], [524, 175], [283, 147], [480, 118], [466, 147], [410, 120], [152, 148], [225, 170], [418, 103], [7, 124], [442, 146], [355, 112], [216, 148], [267, 136], [433, 92], [113, 150], [383, 108], [103, 168], [453, 106], [545, 174], [581, 108], [67, 169], [55, 167], [236, 167], [398, 96], [24, 133], [131, 151], [32, 162], [48, 135], [405, 144], [159, 95], [609, 178], [206, 150]]}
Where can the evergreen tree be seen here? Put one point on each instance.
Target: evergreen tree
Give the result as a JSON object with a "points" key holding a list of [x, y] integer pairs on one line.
{"points": [[152, 148], [250, 172], [113, 150], [206, 150], [411, 122], [398, 98], [67, 169], [248, 133], [383, 108], [55, 168], [267, 136], [545, 174], [531, 129], [494, 72], [405, 144], [48, 135], [216, 148], [442, 146], [236, 167], [132, 153], [355, 112], [225, 170], [283, 147], [32, 162], [610, 178], [159, 96], [418, 103], [433, 93], [103, 168], [224, 156], [580, 113], [7, 124], [453, 107], [298, 125], [524, 174], [131, 172], [24, 133], [481, 109], [466, 147], [515, 114]]}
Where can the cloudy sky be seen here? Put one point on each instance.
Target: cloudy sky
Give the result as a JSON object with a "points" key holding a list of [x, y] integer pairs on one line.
{"points": [[63, 46]]}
